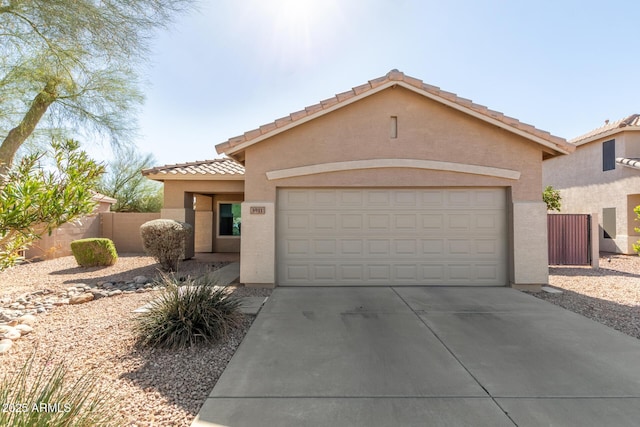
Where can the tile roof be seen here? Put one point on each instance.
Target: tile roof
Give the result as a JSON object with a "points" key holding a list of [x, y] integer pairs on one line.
{"points": [[218, 167], [393, 77], [633, 121], [632, 163]]}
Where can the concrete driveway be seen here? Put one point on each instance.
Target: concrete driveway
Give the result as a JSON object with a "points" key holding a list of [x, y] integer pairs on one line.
{"points": [[436, 356]]}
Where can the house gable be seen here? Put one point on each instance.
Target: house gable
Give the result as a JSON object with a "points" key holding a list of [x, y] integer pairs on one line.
{"points": [[550, 144], [435, 144]]}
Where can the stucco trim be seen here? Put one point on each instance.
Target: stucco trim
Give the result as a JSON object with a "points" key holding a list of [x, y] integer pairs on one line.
{"points": [[393, 163]]}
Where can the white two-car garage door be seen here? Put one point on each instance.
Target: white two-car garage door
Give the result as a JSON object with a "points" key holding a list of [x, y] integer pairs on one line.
{"points": [[441, 236]]}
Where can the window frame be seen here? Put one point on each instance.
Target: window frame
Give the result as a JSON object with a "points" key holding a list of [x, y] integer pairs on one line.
{"points": [[609, 155], [226, 202]]}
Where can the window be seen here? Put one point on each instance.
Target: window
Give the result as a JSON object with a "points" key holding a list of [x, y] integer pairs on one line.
{"points": [[229, 219], [609, 155], [609, 223]]}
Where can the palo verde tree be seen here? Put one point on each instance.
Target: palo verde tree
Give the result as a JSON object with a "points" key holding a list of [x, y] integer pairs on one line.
{"points": [[74, 63], [124, 182]]}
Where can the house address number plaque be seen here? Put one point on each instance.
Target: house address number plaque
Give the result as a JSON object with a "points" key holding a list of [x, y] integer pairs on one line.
{"points": [[257, 210]]}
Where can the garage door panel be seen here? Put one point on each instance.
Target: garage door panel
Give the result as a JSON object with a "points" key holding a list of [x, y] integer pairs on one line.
{"points": [[391, 236]]}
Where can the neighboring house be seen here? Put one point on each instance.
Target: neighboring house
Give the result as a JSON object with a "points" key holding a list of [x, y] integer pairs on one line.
{"points": [[393, 182], [603, 177], [58, 243]]}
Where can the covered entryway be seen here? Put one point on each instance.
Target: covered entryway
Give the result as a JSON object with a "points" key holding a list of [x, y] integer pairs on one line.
{"points": [[400, 236]]}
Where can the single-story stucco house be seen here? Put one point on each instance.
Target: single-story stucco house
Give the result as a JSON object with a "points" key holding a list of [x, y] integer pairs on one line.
{"points": [[394, 182]]}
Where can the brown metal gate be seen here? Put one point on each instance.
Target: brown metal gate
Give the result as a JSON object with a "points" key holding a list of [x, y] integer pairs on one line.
{"points": [[569, 239]]}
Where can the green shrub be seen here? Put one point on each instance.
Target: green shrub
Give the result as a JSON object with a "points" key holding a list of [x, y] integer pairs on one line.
{"points": [[165, 240], [47, 399], [92, 252], [187, 314]]}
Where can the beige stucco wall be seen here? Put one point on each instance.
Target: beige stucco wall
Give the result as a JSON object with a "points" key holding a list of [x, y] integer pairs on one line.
{"points": [[58, 244], [124, 229], [174, 191], [586, 188], [426, 130]]}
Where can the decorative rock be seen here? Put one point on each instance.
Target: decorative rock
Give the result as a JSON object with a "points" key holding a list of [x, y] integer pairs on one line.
{"points": [[13, 334], [140, 280], [63, 301], [97, 293], [115, 292], [5, 345], [5, 328], [72, 289], [24, 329], [81, 299], [27, 319]]}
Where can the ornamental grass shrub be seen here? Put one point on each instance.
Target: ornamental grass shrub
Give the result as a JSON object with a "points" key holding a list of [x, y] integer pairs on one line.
{"points": [[187, 313], [165, 240], [39, 396], [94, 252]]}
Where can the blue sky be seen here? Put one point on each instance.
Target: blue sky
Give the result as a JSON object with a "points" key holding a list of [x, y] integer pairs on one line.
{"points": [[563, 66]]}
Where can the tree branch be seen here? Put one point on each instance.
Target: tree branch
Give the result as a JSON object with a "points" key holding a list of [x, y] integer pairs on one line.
{"points": [[20, 133]]}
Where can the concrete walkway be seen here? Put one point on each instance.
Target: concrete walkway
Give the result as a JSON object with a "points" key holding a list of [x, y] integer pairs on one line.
{"points": [[409, 356]]}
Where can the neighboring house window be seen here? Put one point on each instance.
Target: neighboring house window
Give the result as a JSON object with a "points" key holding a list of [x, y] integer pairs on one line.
{"points": [[229, 219], [609, 155], [609, 223]]}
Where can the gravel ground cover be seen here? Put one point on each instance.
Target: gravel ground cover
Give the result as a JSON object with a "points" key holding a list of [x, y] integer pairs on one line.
{"points": [[151, 387], [609, 295], [168, 387]]}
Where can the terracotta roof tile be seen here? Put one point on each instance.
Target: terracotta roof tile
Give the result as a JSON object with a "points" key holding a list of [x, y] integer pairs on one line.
{"points": [[345, 95], [395, 75], [268, 127], [630, 121], [298, 115], [203, 167]]}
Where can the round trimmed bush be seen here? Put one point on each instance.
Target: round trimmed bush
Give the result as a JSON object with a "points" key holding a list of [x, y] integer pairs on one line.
{"points": [[94, 252], [165, 240]]}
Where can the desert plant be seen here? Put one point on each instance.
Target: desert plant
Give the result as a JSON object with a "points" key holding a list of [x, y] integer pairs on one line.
{"points": [[552, 198], [94, 251], [36, 198], [35, 397], [165, 240], [636, 245], [186, 313]]}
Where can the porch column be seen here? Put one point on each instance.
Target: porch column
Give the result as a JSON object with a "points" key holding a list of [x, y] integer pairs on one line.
{"points": [[184, 214], [530, 250], [257, 247], [203, 232]]}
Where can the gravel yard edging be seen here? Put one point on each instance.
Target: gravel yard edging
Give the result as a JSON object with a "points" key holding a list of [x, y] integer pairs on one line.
{"points": [[609, 295], [153, 387]]}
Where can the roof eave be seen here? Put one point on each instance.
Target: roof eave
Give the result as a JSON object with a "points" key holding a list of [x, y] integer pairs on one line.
{"points": [[605, 134], [161, 177], [553, 148]]}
